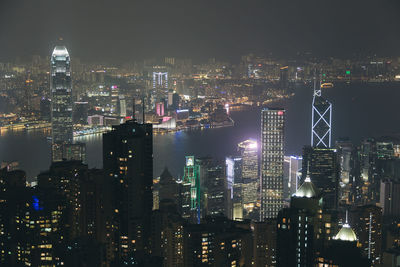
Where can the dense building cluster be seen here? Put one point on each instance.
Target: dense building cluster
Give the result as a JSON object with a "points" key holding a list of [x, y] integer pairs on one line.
{"points": [[174, 93], [336, 205]]}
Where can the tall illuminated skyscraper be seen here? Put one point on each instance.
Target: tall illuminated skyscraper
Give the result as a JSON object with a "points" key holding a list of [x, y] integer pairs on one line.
{"points": [[234, 183], [191, 196], [292, 174], [160, 79], [61, 101], [321, 128], [250, 179], [272, 137]]}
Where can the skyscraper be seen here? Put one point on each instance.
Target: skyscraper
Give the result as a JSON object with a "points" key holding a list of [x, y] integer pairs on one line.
{"points": [[345, 164], [160, 108], [390, 198], [321, 163], [128, 159], [250, 180], [292, 174], [367, 223], [272, 136], [61, 101], [217, 242], [321, 128], [122, 106], [234, 184], [343, 250], [160, 79], [264, 243], [214, 192], [298, 227], [191, 196]]}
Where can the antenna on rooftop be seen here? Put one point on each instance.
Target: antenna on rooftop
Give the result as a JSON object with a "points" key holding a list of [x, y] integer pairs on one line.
{"points": [[143, 109]]}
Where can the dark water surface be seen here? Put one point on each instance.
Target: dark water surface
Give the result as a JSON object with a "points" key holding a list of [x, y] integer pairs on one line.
{"points": [[359, 110]]}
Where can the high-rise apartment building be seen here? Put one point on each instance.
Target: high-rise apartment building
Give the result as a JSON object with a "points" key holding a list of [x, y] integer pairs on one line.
{"points": [[367, 223], [128, 159], [272, 140], [390, 198], [217, 242], [264, 243], [61, 101]]}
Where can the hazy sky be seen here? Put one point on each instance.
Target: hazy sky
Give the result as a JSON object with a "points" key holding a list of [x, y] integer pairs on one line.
{"points": [[122, 30]]}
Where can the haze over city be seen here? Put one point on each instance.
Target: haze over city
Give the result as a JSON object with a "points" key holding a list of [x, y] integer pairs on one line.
{"points": [[120, 31], [200, 133]]}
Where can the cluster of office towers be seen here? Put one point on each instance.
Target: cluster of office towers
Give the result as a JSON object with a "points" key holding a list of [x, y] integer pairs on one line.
{"points": [[109, 217], [255, 176]]}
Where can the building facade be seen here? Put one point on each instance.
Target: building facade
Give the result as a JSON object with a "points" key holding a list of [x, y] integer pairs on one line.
{"points": [[272, 140], [61, 100], [321, 128], [323, 169], [292, 174], [191, 195], [248, 151], [128, 160]]}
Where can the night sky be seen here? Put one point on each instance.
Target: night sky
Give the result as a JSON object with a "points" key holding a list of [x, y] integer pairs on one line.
{"points": [[124, 30]]}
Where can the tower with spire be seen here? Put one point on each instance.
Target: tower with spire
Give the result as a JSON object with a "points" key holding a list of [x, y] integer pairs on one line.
{"points": [[307, 189], [346, 233], [321, 127], [299, 227], [61, 101], [343, 250]]}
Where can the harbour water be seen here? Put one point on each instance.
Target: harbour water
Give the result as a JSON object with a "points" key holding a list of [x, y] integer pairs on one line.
{"points": [[359, 110]]}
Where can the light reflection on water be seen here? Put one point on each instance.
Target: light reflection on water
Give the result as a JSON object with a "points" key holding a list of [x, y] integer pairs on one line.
{"points": [[358, 111]]}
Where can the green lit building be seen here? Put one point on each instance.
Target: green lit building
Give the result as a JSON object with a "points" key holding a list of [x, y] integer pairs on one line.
{"points": [[190, 195]]}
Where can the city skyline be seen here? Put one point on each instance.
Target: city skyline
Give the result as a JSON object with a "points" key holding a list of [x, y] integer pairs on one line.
{"points": [[177, 134]]}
